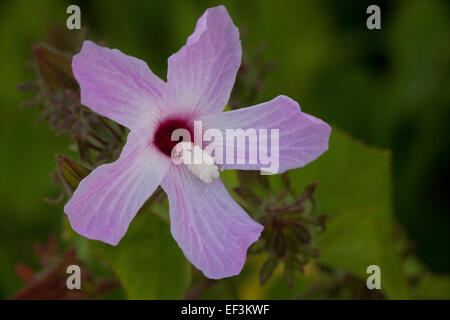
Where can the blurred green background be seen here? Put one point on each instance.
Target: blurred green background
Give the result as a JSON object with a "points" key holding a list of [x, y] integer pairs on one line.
{"points": [[390, 88]]}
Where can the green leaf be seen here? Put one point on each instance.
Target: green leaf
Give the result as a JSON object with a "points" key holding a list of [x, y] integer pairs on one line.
{"points": [[355, 192], [147, 260], [433, 286]]}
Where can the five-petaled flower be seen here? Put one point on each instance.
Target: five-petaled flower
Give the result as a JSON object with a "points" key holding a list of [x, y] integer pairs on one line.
{"points": [[213, 231]]}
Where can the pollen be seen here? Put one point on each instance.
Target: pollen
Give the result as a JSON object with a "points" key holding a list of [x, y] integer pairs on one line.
{"points": [[198, 161]]}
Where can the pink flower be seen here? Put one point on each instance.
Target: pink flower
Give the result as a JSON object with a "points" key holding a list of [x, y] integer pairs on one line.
{"points": [[213, 231]]}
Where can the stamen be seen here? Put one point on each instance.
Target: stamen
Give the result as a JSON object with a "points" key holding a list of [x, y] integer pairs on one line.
{"points": [[197, 160]]}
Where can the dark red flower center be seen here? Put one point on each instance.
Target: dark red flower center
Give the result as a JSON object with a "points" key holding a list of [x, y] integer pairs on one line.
{"points": [[163, 135]]}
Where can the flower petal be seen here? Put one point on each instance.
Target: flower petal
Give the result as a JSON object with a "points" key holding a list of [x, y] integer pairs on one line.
{"points": [[302, 138], [107, 200], [201, 74], [213, 231], [117, 86]]}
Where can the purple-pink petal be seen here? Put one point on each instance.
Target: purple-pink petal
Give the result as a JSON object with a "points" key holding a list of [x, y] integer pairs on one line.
{"points": [[106, 201], [118, 86], [302, 137], [213, 231], [202, 73]]}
